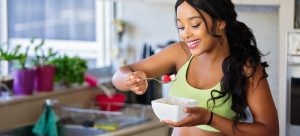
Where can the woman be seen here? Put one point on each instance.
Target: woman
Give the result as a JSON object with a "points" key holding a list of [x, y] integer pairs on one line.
{"points": [[218, 63]]}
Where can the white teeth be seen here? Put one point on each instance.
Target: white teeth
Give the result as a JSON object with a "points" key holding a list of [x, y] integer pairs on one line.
{"points": [[193, 42]]}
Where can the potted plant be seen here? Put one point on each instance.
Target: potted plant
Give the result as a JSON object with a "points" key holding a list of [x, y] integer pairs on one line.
{"points": [[45, 72], [23, 76], [69, 70], [8, 55]]}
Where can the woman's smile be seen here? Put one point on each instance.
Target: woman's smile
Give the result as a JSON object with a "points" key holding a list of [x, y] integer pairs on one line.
{"points": [[193, 44]]}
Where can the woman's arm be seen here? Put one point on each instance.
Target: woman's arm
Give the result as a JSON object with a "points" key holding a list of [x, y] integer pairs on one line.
{"points": [[261, 104], [156, 65]]}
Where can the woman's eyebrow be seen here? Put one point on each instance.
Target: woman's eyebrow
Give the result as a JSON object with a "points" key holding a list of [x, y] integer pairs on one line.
{"points": [[190, 18]]}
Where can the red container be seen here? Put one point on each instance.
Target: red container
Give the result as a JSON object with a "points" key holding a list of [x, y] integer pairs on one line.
{"points": [[115, 103], [91, 81], [44, 79]]}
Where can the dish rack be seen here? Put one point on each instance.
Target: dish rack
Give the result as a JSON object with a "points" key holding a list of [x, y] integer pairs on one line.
{"points": [[94, 117]]}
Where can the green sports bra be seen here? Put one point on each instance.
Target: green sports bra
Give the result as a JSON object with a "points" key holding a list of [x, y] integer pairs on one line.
{"points": [[181, 88]]}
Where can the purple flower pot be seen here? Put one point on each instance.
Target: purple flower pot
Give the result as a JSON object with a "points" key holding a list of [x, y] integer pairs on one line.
{"points": [[24, 81], [44, 79]]}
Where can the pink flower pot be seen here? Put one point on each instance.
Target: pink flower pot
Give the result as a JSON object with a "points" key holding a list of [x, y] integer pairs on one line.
{"points": [[44, 79]]}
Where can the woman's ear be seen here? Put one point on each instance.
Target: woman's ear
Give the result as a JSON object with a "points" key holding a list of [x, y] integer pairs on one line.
{"points": [[221, 25]]}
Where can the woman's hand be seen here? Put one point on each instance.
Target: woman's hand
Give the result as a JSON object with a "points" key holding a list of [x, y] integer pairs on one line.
{"points": [[136, 83], [198, 116]]}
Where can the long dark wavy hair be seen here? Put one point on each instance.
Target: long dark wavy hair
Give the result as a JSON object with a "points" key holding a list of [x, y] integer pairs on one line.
{"points": [[243, 52]]}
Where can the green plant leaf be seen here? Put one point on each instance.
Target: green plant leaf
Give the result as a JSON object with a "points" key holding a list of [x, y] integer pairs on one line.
{"points": [[69, 69]]}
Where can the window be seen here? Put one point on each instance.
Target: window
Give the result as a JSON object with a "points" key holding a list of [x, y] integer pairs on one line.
{"points": [[72, 27], [52, 19], [3, 33]]}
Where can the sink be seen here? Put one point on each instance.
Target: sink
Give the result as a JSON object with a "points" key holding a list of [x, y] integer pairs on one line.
{"points": [[92, 121], [70, 129]]}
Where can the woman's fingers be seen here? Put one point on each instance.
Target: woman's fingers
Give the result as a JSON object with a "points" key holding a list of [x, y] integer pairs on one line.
{"points": [[192, 110], [187, 122], [141, 88], [130, 82], [135, 82], [140, 82], [197, 116]]}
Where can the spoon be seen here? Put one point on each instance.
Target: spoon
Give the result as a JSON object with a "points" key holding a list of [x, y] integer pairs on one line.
{"points": [[149, 78]]}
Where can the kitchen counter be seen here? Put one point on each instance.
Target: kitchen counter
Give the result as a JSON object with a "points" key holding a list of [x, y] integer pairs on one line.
{"points": [[153, 127], [20, 111], [134, 120], [150, 128]]}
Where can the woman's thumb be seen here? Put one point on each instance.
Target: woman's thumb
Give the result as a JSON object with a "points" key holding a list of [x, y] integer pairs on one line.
{"points": [[191, 109]]}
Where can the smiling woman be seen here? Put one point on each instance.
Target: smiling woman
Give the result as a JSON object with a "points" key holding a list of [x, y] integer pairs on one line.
{"points": [[216, 63]]}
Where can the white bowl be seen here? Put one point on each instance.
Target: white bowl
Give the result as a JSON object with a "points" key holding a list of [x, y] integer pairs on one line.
{"points": [[171, 108]]}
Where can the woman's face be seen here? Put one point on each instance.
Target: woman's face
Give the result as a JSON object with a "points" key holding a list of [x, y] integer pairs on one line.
{"points": [[192, 29]]}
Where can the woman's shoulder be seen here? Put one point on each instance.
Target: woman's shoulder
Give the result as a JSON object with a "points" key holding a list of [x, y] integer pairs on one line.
{"points": [[255, 75], [179, 50], [181, 53]]}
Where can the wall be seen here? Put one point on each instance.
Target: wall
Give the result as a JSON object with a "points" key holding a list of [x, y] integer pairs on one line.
{"points": [[263, 20], [286, 19], [151, 23]]}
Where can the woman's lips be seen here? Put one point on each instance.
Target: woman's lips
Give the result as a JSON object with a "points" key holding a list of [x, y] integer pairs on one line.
{"points": [[193, 44]]}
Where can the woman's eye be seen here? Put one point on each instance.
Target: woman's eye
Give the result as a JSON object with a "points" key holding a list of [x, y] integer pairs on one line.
{"points": [[196, 26], [180, 28]]}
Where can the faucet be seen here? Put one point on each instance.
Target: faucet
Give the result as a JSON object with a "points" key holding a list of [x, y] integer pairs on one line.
{"points": [[51, 102], [5, 91]]}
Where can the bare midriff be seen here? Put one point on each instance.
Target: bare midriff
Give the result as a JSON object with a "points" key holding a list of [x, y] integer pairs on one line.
{"points": [[193, 131]]}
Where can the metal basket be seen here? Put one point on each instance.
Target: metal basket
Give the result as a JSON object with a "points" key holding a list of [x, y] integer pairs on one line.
{"points": [[129, 114]]}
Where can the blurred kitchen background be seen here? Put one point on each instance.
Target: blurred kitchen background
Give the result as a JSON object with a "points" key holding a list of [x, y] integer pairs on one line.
{"points": [[107, 34]]}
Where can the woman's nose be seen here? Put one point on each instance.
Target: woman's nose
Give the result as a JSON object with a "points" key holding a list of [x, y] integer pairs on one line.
{"points": [[186, 33]]}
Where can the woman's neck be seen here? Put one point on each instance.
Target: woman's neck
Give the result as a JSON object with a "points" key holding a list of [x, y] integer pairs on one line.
{"points": [[217, 54]]}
